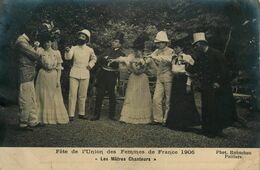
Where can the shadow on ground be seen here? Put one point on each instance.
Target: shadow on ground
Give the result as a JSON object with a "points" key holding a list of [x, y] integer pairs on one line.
{"points": [[107, 133]]}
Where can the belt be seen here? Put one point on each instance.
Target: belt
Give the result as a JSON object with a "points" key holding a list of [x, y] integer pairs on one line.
{"points": [[110, 69], [178, 75]]}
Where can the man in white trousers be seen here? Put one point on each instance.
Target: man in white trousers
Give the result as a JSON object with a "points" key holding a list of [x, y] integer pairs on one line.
{"points": [[27, 58], [84, 59], [163, 57]]}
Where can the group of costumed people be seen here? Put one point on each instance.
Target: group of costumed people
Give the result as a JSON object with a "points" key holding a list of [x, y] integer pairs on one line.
{"points": [[172, 104]]}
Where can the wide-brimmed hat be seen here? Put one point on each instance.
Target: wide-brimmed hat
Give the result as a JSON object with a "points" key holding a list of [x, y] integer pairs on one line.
{"points": [[119, 36], [161, 37], [86, 32], [140, 40], [199, 36], [43, 38]]}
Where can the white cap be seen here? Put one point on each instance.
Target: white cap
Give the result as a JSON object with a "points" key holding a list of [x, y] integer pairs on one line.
{"points": [[161, 37], [199, 36], [86, 32]]}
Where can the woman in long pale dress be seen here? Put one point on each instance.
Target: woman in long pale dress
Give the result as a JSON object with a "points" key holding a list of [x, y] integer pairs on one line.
{"points": [[137, 106], [48, 88]]}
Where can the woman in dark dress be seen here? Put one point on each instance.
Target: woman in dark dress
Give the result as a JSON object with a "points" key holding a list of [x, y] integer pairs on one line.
{"points": [[183, 113]]}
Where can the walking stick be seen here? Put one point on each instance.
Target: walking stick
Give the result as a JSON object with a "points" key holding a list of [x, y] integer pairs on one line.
{"points": [[228, 40]]}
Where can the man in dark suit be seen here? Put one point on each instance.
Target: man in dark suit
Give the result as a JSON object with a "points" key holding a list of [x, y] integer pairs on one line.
{"points": [[218, 106], [107, 77]]}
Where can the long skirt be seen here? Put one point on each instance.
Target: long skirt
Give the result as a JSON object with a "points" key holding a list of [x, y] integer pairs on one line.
{"points": [[183, 112], [51, 109], [137, 107], [218, 108]]}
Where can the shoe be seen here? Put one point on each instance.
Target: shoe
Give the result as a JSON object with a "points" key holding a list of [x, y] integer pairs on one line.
{"points": [[207, 134], [112, 118], [199, 132], [93, 118], [221, 135], [71, 119], [38, 125], [211, 136], [156, 123], [27, 128], [240, 124], [163, 124], [82, 117], [88, 117], [181, 129]]}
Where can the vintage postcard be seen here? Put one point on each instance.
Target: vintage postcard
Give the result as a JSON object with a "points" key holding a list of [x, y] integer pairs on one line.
{"points": [[129, 84]]}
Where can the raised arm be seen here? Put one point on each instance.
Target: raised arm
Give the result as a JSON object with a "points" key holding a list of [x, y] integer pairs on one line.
{"points": [[68, 53], [126, 60], [151, 63], [28, 50], [188, 59], [119, 59]]}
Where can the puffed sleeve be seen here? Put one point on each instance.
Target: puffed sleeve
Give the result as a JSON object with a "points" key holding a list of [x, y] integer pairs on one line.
{"points": [[125, 60], [58, 56], [40, 51], [93, 58], [188, 59], [59, 60]]}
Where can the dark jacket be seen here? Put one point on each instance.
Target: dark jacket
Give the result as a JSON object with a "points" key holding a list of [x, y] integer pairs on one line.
{"points": [[218, 107], [214, 69], [27, 57], [110, 54]]}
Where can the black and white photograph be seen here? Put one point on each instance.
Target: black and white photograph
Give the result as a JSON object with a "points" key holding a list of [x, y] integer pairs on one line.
{"points": [[130, 73]]}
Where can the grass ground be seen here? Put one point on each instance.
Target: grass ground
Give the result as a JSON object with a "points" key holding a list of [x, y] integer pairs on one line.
{"points": [[107, 133]]}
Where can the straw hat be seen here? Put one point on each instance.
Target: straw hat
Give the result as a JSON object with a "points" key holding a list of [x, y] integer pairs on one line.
{"points": [[199, 36], [161, 37]]}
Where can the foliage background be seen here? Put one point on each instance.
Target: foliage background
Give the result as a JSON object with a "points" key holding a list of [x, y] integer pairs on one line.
{"points": [[180, 18]]}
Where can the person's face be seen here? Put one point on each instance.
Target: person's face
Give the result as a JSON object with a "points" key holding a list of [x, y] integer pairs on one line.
{"points": [[82, 38], [116, 44], [161, 45], [148, 45], [47, 45], [199, 47]]}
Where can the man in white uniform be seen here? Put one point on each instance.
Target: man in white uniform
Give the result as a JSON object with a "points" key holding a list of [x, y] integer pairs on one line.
{"points": [[84, 59]]}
